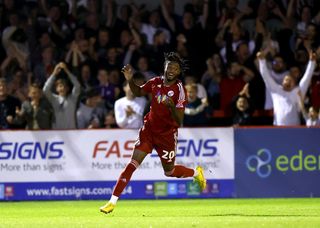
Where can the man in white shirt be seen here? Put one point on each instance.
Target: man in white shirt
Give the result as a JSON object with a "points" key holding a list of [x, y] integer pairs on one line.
{"points": [[285, 97], [278, 71], [129, 109]]}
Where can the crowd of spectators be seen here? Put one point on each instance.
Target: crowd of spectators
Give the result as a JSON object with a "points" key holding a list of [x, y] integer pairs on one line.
{"points": [[61, 61]]}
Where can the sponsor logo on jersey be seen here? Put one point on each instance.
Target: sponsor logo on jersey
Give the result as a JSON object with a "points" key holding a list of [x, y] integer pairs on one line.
{"points": [[170, 93]]}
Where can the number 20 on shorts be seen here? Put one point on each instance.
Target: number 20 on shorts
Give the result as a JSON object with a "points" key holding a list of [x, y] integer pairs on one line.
{"points": [[168, 155]]}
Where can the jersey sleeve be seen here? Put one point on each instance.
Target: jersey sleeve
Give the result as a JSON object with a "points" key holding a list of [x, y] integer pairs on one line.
{"points": [[147, 87], [182, 98]]}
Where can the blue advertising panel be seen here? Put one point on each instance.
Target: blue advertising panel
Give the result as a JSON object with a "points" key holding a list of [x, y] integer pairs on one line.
{"points": [[103, 189], [277, 162]]}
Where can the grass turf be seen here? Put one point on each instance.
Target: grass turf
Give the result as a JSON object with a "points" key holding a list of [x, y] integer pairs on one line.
{"points": [[165, 213]]}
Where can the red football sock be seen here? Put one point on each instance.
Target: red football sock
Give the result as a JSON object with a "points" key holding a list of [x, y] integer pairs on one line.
{"points": [[125, 177], [181, 171]]}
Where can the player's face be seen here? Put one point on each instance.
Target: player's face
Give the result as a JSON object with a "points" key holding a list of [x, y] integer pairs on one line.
{"points": [[103, 77], [288, 83], [95, 100], [278, 64], [313, 114], [192, 95], [172, 71], [62, 89], [242, 104], [34, 93]]}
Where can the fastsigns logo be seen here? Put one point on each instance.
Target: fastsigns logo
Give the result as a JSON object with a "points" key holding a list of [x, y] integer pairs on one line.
{"points": [[25, 150], [259, 163]]}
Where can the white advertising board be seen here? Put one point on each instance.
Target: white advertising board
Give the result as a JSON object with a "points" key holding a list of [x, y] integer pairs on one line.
{"points": [[100, 155]]}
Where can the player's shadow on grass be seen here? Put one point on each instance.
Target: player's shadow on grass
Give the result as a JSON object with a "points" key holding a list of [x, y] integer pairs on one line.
{"points": [[248, 215]]}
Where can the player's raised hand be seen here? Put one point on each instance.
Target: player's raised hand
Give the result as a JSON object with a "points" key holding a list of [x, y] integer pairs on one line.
{"points": [[261, 55], [127, 71], [57, 69], [63, 66], [312, 56]]}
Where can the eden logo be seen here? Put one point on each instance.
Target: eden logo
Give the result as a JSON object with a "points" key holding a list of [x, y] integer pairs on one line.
{"points": [[259, 163]]}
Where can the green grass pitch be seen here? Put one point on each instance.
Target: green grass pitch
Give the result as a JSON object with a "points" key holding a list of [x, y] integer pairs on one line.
{"points": [[164, 213]]}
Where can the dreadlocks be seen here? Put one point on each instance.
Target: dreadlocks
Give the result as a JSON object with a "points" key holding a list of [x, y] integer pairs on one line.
{"points": [[175, 57]]}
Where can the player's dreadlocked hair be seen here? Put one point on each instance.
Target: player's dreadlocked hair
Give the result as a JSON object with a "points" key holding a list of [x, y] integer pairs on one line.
{"points": [[175, 57]]}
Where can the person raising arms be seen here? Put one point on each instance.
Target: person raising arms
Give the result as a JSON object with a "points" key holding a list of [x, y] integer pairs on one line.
{"points": [[285, 97]]}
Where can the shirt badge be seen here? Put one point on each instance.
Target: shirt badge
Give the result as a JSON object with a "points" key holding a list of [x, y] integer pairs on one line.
{"points": [[170, 93]]}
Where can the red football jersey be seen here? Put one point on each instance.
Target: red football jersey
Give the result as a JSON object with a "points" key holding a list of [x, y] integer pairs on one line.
{"points": [[159, 117]]}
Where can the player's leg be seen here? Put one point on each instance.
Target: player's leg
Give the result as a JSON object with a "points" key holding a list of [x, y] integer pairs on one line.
{"points": [[136, 159], [180, 171], [142, 147], [166, 149], [124, 178]]}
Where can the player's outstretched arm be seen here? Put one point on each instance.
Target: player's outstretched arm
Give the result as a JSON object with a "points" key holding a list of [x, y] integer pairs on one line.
{"points": [[264, 71], [76, 85], [47, 88], [305, 80], [127, 71]]}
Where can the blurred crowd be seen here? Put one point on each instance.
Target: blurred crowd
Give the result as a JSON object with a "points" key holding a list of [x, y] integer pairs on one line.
{"points": [[61, 61]]}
